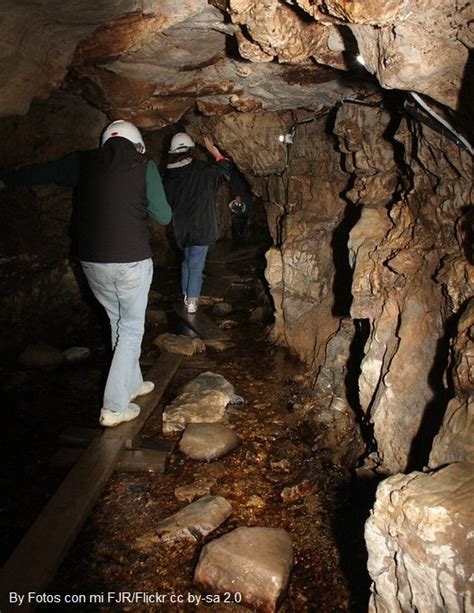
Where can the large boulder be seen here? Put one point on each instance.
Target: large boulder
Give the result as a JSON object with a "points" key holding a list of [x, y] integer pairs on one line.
{"points": [[420, 542]]}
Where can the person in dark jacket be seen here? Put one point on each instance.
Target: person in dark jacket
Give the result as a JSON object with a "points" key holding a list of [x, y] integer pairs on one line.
{"points": [[116, 186], [190, 186], [241, 205]]}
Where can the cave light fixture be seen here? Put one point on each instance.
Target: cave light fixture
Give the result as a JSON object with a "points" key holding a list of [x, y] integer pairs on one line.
{"points": [[360, 59]]}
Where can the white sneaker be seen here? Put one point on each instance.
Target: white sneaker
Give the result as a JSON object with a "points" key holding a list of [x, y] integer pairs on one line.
{"points": [[111, 418], [145, 388], [191, 305]]}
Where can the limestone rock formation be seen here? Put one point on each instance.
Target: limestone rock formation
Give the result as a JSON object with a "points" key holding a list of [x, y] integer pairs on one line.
{"points": [[455, 440], [420, 542]]}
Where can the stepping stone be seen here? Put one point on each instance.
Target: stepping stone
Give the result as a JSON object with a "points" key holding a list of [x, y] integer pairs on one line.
{"points": [[191, 523], [201, 487], [202, 400], [217, 345], [253, 562], [224, 308], [76, 354], [41, 356], [183, 345], [207, 441]]}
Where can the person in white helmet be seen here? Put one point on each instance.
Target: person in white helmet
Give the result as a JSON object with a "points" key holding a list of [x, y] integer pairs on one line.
{"points": [[116, 186], [190, 186]]}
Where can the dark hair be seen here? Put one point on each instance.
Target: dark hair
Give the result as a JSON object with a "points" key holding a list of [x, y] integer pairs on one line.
{"points": [[182, 155]]}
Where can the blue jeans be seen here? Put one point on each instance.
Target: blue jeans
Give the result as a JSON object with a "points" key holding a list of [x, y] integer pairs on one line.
{"points": [[192, 268], [122, 289]]}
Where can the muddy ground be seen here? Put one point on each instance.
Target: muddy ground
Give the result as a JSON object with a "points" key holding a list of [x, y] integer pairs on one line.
{"points": [[325, 519]]}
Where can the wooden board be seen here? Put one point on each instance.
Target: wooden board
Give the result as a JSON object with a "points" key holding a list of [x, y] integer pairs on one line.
{"points": [[38, 556], [36, 559], [201, 324]]}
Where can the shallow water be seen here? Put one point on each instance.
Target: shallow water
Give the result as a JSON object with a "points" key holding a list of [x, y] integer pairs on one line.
{"points": [[323, 516]]}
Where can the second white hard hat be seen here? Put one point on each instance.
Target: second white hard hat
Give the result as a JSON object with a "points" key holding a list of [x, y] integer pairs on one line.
{"points": [[125, 129], [181, 142]]}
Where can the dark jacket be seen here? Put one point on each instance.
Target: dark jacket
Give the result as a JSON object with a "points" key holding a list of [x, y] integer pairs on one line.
{"points": [[116, 188], [190, 190]]}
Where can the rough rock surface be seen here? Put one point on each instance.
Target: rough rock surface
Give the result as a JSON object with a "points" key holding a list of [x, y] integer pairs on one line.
{"points": [[255, 562], [202, 400], [184, 345], [420, 542], [455, 440], [196, 489], [404, 280], [196, 520], [207, 441]]}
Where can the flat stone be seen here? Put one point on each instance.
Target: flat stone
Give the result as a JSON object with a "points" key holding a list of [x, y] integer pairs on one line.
{"points": [[202, 400], [207, 441], [76, 354], [224, 308], [196, 489], [217, 345], [191, 523], [41, 356], [254, 562], [183, 345]]}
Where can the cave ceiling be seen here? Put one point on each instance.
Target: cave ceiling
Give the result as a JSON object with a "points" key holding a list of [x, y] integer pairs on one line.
{"points": [[152, 61]]}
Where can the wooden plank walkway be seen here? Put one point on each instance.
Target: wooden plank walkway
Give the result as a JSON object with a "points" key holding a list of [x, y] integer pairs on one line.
{"points": [[201, 324], [36, 559]]}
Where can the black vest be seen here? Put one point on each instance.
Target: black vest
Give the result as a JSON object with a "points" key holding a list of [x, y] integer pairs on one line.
{"points": [[111, 210]]}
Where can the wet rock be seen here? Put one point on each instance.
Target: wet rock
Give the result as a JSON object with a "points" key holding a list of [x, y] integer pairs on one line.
{"points": [[41, 356], [455, 440], [254, 562], [156, 317], [191, 523], [179, 344], [202, 400], [207, 441], [197, 489], [261, 315], [217, 345], [222, 309], [283, 465], [228, 324], [419, 540], [300, 490], [334, 428], [76, 354], [256, 502]]}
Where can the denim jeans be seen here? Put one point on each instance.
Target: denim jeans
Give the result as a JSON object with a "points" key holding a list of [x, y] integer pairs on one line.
{"points": [[192, 268], [122, 289]]}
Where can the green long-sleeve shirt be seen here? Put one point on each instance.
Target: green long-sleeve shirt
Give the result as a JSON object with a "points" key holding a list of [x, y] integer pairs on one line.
{"points": [[65, 172]]}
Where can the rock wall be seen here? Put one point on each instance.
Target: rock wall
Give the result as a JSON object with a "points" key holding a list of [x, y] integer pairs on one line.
{"points": [[413, 202], [420, 542], [300, 183], [455, 440]]}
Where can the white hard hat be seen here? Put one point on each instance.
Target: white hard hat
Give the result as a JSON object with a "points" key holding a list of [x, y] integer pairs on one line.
{"points": [[125, 129], [181, 143]]}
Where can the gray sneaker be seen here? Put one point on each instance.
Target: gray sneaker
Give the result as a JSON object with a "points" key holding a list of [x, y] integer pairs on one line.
{"points": [[111, 418], [145, 388], [191, 305]]}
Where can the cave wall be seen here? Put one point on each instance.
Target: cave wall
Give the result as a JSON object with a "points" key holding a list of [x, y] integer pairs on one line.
{"points": [[411, 274]]}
